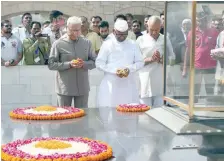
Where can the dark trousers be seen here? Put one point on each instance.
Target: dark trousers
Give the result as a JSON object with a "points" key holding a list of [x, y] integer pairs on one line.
{"points": [[79, 101]]}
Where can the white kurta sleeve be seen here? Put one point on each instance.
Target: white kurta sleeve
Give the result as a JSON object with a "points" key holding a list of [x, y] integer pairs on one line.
{"points": [[102, 59], [15, 32], [138, 60]]}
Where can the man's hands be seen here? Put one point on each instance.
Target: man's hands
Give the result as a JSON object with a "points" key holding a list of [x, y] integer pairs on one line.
{"points": [[123, 72], [77, 63], [7, 64], [218, 53], [37, 35], [155, 58], [10, 63], [184, 72]]}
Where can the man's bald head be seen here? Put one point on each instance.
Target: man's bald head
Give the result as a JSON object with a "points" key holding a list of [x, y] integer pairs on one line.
{"points": [[154, 20], [154, 25]]}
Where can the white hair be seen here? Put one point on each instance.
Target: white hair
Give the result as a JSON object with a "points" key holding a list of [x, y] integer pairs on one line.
{"points": [[154, 19], [186, 21], [74, 20]]}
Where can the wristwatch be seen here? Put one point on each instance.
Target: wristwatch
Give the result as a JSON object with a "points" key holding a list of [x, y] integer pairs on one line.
{"points": [[11, 62]]}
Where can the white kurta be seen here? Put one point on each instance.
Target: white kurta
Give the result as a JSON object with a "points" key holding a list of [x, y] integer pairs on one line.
{"points": [[21, 33], [219, 69], [113, 55], [151, 76]]}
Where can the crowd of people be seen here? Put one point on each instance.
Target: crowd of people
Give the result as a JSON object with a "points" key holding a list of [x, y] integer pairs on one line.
{"points": [[32, 33], [120, 54]]}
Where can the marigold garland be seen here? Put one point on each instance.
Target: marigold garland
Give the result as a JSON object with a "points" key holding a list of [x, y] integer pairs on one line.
{"points": [[70, 113], [99, 151], [65, 121], [52, 144], [132, 108], [45, 108]]}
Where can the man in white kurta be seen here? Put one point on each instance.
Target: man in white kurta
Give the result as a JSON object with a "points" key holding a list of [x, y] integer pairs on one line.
{"points": [[219, 76], [117, 53], [151, 76]]}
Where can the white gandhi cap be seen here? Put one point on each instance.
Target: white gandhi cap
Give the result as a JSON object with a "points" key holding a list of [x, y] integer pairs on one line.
{"points": [[121, 25]]}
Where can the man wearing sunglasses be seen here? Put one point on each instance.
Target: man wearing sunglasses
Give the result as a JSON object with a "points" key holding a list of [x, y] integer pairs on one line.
{"points": [[119, 58], [11, 46]]}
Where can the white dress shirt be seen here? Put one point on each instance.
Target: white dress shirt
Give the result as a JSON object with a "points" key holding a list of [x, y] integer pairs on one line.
{"points": [[51, 34], [21, 33]]}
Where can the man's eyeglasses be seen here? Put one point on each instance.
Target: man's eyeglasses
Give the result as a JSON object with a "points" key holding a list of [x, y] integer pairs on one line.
{"points": [[8, 26]]}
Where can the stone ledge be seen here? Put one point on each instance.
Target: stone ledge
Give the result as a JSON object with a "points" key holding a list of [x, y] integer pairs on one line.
{"points": [[36, 85]]}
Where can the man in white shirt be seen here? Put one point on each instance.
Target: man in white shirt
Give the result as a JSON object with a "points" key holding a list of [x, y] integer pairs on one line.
{"points": [[57, 27], [218, 54], [145, 23], [22, 32], [11, 46], [118, 54], [151, 76], [186, 27]]}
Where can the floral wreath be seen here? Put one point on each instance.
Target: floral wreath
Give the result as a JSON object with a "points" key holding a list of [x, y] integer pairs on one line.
{"points": [[68, 113], [132, 108], [96, 151]]}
